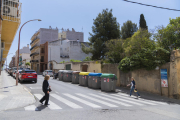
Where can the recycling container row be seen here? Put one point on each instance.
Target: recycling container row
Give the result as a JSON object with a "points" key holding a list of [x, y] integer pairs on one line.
{"points": [[107, 82]]}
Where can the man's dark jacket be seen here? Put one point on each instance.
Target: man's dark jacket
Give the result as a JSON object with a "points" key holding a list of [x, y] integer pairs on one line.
{"points": [[45, 86]]}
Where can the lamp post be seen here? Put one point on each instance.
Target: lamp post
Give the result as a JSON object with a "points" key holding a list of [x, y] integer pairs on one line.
{"points": [[18, 49]]}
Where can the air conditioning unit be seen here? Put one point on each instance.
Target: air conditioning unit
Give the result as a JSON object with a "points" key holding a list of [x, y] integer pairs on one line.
{"points": [[2, 45], [10, 10]]}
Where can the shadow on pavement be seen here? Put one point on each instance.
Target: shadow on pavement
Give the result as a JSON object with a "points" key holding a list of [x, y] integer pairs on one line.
{"points": [[7, 86], [40, 107]]}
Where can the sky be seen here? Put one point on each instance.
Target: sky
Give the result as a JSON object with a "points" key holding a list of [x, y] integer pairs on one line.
{"points": [[79, 14]]}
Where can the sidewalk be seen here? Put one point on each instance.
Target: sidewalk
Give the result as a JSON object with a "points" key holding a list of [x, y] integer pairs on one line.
{"points": [[12, 96]]}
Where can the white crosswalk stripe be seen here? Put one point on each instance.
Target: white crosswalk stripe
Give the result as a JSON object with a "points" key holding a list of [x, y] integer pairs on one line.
{"points": [[97, 100], [69, 103], [31, 107], [121, 103], [52, 105], [125, 100], [136, 100], [83, 101], [149, 101]]}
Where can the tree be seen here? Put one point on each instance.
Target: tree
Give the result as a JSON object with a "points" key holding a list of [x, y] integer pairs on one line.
{"points": [[62, 61], [140, 39], [72, 60], [128, 29], [88, 59], [28, 64], [142, 22], [115, 50], [169, 35], [105, 28]]}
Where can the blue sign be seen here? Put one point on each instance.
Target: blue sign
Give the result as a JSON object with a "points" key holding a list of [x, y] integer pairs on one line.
{"points": [[164, 78]]}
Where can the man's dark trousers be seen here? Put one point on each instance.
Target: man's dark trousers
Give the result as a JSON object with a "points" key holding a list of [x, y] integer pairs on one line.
{"points": [[46, 97]]}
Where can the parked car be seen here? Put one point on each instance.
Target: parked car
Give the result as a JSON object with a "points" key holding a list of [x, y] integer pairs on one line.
{"points": [[55, 76], [48, 72], [13, 70], [28, 75], [16, 72]]}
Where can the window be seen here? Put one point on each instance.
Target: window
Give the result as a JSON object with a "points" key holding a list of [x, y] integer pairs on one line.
{"points": [[30, 71]]}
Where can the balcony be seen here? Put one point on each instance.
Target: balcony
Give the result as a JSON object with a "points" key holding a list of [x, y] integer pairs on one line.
{"points": [[35, 53], [64, 56], [34, 61], [34, 40], [11, 15], [34, 47]]}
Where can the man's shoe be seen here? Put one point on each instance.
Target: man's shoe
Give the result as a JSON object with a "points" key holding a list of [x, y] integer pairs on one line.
{"points": [[46, 104], [41, 102]]}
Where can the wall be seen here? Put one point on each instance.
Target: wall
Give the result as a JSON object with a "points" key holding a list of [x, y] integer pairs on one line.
{"points": [[47, 35]]}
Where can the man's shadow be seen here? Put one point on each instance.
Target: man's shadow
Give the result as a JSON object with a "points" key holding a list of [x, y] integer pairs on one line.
{"points": [[40, 107]]}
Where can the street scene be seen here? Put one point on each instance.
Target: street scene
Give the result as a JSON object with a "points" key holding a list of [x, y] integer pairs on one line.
{"points": [[89, 60]]}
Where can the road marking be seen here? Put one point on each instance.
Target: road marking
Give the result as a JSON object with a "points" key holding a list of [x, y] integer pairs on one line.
{"points": [[97, 100], [69, 103], [35, 87], [31, 107], [83, 101], [56, 92], [123, 100], [124, 104], [149, 101], [52, 105]]}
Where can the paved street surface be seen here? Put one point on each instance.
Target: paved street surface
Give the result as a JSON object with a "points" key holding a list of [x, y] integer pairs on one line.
{"points": [[73, 102]]}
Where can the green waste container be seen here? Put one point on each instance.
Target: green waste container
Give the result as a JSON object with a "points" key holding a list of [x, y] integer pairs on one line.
{"points": [[94, 80], [60, 75], [108, 82], [67, 76], [83, 78], [75, 77]]}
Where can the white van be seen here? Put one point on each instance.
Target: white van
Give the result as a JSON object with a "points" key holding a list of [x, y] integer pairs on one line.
{"points": [[48, 72]]}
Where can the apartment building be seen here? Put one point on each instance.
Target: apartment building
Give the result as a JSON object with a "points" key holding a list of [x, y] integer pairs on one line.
{"points": [[24, 53], [65, 50], [71, 35], [23, 58], [9, 23], [42, 36], [12, 63]]}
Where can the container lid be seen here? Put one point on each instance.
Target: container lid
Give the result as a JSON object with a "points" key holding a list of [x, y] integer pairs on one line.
{"points": [[76, 72], [95, 74], [61, 70], [106, 75], [67, 71], [84, 73]]}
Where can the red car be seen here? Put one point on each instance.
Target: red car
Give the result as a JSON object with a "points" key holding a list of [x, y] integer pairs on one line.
{"points": [[28, 75]]}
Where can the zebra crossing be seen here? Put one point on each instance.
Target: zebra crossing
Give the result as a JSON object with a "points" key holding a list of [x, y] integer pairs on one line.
{"points": [[92, 100]]}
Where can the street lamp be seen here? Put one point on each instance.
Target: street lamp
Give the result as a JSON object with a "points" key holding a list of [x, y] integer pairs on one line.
{"points": [[18, 49]]}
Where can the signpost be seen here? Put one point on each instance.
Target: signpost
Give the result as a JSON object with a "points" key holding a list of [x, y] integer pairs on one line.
{"points": [[164, 78]]}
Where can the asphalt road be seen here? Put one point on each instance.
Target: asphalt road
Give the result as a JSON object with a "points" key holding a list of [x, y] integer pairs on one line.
{"points": [[73, 102]]}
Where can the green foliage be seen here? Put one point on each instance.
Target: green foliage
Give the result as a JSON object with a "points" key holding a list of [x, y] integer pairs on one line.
{"points": [[105, 28], [62, 61], [140, 39], [115, 50], [142, 22], [169, 35], [146, 58], [28, 64], [88, 59], [72, 60], [128, 29]]}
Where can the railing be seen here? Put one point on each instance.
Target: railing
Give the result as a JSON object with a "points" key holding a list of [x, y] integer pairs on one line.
{"points": [[11, 10], [35, 53], [34, 61], [34, 39], [34, 47], [64, 56]]}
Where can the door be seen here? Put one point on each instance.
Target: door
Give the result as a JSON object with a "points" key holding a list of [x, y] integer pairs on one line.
{"points": [[84, 68]]}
